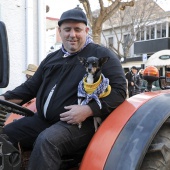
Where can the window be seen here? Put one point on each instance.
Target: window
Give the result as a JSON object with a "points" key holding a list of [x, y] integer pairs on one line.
{"points": [[126, 38], [142, 35], [125, 44], [152, 32], [138, 36], [158, 30], [110, 40], [161, 30], [147, 32], [164, 30]]}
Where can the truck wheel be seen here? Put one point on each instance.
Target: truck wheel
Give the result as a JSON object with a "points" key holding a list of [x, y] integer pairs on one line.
{"points": [[158, 154]]}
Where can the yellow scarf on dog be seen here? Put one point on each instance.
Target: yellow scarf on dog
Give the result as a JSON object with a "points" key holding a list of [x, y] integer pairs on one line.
{"points": [[90, 88]]}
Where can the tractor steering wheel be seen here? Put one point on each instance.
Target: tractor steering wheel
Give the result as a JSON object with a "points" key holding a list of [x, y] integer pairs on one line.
{"points": [[9, 107]]}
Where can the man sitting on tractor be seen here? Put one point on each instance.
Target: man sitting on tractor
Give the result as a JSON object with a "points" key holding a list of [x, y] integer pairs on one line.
{"points": [[52, 132]]}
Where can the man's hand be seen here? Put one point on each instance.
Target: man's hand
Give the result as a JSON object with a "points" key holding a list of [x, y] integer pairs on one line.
{"points": [[76, 114]]}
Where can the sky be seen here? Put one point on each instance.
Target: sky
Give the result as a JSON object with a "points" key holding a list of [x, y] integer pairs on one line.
{"points": [[58, 7], [165, 4]]}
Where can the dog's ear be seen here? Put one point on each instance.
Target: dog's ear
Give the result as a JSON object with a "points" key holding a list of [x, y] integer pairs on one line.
{"points": [[103, 60], [82, 60]]}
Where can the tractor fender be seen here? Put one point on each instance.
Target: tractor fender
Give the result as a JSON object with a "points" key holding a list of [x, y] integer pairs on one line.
{"points": [[124, 137], [137, 135]]}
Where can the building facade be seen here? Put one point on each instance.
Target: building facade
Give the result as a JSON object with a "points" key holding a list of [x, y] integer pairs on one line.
{"points": [[53, 40], [153, 36]]}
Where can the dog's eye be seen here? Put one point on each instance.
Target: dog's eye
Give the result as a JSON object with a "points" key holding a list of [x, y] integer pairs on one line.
{"points": [[86, 64], [94, 64]]}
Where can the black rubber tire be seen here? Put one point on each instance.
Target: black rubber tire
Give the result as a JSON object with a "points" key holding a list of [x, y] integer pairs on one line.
{"points": [[158, 155]]}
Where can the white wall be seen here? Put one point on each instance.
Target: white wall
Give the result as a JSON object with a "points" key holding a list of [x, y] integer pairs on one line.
{"points": [[13, 14]]}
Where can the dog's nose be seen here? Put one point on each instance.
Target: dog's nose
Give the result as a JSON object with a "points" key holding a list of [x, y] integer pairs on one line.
{"points": [[89, 69]]}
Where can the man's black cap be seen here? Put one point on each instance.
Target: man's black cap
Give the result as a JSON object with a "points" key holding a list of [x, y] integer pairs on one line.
{"points": [[73, 14]]}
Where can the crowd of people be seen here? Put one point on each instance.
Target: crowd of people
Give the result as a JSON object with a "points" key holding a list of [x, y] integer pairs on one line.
{"points": [[135, 82]]}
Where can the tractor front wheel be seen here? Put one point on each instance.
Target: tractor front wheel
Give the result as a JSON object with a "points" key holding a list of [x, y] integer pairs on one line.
{"points": [[158, 154]]}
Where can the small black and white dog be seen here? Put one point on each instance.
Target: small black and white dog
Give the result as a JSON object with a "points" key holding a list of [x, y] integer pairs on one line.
{"points": [[94, 84]]}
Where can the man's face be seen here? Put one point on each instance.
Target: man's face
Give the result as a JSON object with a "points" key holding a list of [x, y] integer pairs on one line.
{"points": [[134, 71], [73, 35], [141, 72]]}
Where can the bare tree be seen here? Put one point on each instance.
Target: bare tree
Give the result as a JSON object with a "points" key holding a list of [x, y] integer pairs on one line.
{"points": [[96, 19], [128, 24]]}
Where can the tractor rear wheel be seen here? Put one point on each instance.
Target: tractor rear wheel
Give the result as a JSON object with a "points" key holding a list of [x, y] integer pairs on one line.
{"points": [[158, 154]]}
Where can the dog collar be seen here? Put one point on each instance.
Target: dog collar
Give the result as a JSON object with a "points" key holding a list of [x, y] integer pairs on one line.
{"points": [[90, 88]]}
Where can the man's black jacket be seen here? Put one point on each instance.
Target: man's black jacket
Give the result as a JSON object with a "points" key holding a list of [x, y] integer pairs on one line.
{"points": [[66, 73]]}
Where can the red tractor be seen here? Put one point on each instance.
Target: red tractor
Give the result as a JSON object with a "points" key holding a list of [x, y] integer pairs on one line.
{"points": [[135, 136]]}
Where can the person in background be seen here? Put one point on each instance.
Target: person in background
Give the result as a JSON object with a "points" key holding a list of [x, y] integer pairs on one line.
{"points": [[53, 132], [138, 80], [140, 73], [29, 72], [127, 91], [31, 69], [131, 78], [143, 83]]}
